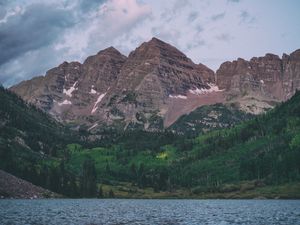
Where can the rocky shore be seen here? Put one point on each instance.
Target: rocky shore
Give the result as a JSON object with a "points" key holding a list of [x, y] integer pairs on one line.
{"points": [[14, 187]]}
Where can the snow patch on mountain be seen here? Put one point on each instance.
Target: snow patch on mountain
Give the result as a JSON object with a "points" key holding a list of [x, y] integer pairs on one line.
{"points": [[92, 127], [178, 96], [65, 102], [212, 88], [98, 101], [93, 91], [70, 91]]}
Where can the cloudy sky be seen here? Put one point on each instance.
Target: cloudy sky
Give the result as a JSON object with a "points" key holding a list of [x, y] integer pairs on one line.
{"points": [[36, 35]]}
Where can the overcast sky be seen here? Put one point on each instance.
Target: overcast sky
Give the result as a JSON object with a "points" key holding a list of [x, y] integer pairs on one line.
{"points": [[36, 35]]}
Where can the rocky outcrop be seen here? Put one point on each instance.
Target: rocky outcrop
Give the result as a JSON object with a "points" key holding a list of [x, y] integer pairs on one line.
{"points": [[69, 91], [207, 118], [291, 73], [261, 82], [13, 187]]}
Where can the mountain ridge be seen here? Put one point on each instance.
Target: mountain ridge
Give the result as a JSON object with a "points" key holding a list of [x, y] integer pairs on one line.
{"points": [[155, 85], [255, 158]]}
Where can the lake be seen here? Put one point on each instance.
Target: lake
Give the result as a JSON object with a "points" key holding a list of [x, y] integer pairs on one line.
{"points": [[150, 212]]}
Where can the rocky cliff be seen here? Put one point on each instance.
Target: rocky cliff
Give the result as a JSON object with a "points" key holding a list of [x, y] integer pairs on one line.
{"points": [[70, 92], [153, 76], [155, 85], [261, 82]]}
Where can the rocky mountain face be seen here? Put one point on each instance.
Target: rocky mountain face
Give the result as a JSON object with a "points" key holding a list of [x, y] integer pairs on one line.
{"points": [[155, 85], [141, 91], [209, 117], [71, 91], [259, 83], [153, 76]]}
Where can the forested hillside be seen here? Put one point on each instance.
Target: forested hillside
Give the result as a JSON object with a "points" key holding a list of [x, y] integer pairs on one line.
{"points": [[209, 117], [30, 141], [262, 152], [28, 126], [257, 157]]}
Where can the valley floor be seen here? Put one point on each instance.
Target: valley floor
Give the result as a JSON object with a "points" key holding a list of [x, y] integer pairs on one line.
{"points": [[244, 191], [13, 187]]}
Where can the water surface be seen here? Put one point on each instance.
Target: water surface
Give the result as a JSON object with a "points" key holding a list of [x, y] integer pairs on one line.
{"points": [[149, 212]]}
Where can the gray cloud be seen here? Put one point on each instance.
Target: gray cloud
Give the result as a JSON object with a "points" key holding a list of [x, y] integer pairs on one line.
{"points": [[169, 35], [87, 5], [38, 26], [199, 28], [2, 12], [235, 1], [195, 44], [3, 8], [29, 65], [3, 2], [192, 16], [224, 37], [179, 5], [246, 17], [218, 16], [39, 36], [36, 35]]}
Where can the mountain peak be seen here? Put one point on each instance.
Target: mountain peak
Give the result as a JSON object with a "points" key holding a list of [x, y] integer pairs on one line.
{"points": [[157, 48], [109, 50], [271, 56], [156, 40], [296, 54]]}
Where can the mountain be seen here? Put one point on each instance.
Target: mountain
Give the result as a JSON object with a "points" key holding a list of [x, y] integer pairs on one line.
{"points": [[155, 85], [255, 158], [209, 117], [153, 77], [24, 126], [70, 91], [261, 82], [31, 148], [259, 157], [143, 90]]}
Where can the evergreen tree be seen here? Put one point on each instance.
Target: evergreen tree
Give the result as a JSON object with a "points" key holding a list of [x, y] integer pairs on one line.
{"points": [[133, 171], [100, 192], [111, 193], [73, 187], [88, 179]]}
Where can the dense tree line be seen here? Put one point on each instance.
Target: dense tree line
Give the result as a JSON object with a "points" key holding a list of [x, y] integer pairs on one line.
{"points": [[34, 147]]}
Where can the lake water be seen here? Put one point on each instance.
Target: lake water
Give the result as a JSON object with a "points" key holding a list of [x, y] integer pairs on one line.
{"points": [[150, 212]]}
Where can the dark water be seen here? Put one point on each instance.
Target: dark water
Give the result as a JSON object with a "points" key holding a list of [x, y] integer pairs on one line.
{"points": [[150, 212]]}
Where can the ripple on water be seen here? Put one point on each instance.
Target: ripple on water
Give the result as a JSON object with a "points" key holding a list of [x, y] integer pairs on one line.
{"points": [[149, 212]]}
